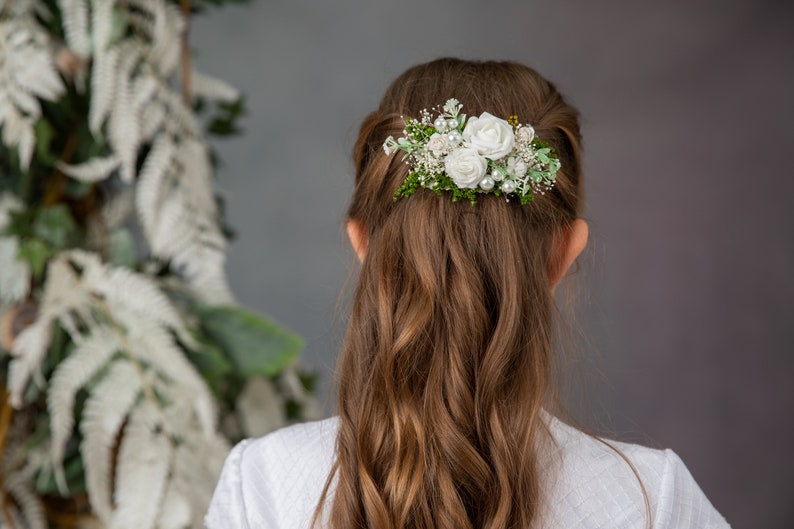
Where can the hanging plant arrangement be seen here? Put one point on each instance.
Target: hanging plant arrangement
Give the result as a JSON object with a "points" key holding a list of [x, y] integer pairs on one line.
{"points": [[120, 341]]}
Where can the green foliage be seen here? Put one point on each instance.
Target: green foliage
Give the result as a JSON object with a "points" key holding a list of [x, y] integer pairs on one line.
{"points": [[55, 225], [224, 121], [121, 248], [255, 345]]}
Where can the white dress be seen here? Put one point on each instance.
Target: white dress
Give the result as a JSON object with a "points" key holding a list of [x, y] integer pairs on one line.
{"points": [[275, 483]]}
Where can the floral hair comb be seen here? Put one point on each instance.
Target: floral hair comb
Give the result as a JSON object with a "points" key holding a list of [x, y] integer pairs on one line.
{"points": [[478, 155]]}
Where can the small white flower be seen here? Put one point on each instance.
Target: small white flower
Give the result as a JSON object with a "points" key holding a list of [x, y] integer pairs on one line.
{"points": [[389, 146], [466, 167], [438, 144], [490, 136], [525, 134], [452, 106], [517, 166]]}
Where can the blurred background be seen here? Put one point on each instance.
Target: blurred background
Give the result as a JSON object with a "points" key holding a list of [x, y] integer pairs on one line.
{"points": [[685, 295]]}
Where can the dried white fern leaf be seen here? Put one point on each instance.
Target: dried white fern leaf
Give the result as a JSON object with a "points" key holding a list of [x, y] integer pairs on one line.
{"points": [[155, 345], [203, 85], [150, 188], [93, 170], [118, 208], [153, 116], [32, 509], [9, 204], [75, 24], [174, 230], [104, 413], [184, 122], [143, 467], [197, 467], [14, 274], [16, 519], [63, 291], [260, 408], [103, 85], [69, 377], [175, 510], [124, 290], [101, 24], [124, 128], [28, 351], [27, 62], [204, 268], [168, 28], [25, 102]]}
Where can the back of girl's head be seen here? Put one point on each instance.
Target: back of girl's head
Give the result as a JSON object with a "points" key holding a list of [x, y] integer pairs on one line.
{"points": [[447, 361]]}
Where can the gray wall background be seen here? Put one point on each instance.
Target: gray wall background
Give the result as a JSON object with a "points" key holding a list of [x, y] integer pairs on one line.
{"points": [[687, 289]]}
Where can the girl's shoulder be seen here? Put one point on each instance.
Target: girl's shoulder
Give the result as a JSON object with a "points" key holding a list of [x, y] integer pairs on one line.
{"points": [[601, 483], [275, 480]]}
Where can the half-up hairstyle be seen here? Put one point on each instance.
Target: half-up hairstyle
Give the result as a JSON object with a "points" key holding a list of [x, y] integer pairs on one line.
{"points": [[447, 362]]}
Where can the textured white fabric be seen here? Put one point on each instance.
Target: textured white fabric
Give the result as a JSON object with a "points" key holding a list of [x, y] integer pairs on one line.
{"points": [[275, 483]]}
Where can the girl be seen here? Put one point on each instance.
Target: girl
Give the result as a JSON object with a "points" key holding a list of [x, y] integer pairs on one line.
{"points": [[446, 379]]}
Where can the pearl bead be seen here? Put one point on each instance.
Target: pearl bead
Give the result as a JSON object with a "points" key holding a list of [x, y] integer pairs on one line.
{"points": [[454, 137], [452, 123], [487, 183], [440, 124], [508, 186], [497, 176]]}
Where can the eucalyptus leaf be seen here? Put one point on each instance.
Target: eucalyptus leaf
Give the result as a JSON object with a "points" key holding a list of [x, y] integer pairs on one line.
{"points": [[44, 135], [35, 253], [121, 248], [55, 225], [210, 360], [255, 345]]}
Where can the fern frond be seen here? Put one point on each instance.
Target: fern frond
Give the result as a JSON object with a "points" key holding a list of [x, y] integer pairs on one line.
{"points": [[202, 85], [168, 27], [142, 470], [175, 510], [63, 291], [14, 274], [125, 291], [103, 85], [75, 25], [28, 351], [197, 467], [101, 24], [260, 408], [155, 346], [118, 208], [150, 188], [204, 268], [103, 415], [28, 63], [27, 500], [69, 377], [124, 127], [93, 170], [153, 116]]}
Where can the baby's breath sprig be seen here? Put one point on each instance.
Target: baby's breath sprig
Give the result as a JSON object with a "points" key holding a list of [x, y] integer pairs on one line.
{"points": [[478, 155]]}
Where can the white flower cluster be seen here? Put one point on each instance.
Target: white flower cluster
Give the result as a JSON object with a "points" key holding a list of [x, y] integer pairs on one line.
{"points": [[484, 154]]}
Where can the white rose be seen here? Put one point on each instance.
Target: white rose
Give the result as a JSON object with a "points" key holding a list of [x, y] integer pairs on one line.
{"points": [[490, 136], [525, 134], [437, 144], [517, 166], [466, 167]]}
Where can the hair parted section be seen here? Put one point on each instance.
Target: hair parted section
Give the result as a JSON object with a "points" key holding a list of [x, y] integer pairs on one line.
{"points": [[447, 362]]}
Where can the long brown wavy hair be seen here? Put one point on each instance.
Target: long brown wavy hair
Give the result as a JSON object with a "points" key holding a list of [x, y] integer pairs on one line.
{"points": [[447, 363]]}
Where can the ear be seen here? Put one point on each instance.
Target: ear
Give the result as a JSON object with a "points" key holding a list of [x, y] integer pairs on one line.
{"points": [[574, 242], [357, 233]]}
